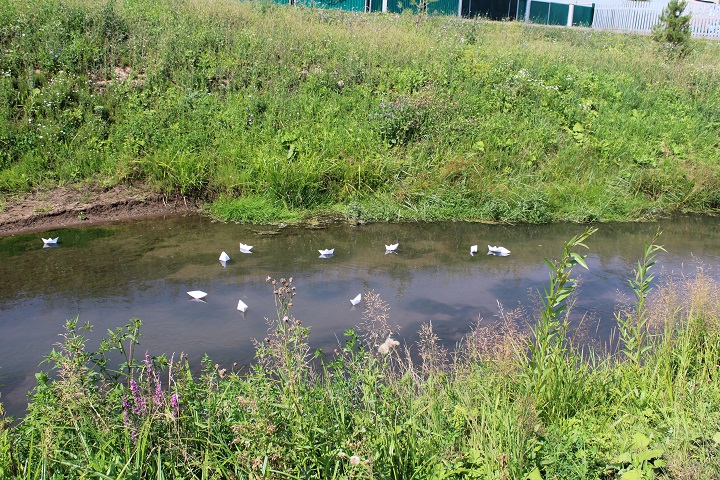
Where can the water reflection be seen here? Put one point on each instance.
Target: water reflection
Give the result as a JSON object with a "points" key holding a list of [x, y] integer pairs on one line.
{"points": [[145, 269]]}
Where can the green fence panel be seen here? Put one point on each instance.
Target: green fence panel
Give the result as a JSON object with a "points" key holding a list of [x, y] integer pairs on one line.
{"points": [[443, 7], [539, 12], [583, 15], [558, 14], [522, 5], [351, 5], [434, 7], [547, 13], [397, 6]]}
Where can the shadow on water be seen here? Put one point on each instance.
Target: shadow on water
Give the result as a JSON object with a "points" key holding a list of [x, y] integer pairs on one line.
{"points": [[105, 276]]}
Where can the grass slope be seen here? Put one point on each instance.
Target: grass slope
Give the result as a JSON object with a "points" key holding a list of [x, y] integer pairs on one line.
{"points": [[272, 112]]}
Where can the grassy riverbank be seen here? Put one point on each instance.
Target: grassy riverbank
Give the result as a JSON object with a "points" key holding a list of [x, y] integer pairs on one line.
{"points": [[273, 112], [508, 404]]}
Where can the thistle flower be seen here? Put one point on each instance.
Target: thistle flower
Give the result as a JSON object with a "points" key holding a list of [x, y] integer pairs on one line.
{"points": [[354, 460]]}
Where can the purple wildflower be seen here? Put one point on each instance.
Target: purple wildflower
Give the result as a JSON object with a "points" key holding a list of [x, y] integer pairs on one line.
{"points": [[158, 398], [126, 411], [148, 363], [139, 402], [134, 388], [175, 404]]}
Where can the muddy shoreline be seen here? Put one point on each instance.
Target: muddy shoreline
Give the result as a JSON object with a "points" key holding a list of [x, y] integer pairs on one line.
{"points": [[73, 206]]}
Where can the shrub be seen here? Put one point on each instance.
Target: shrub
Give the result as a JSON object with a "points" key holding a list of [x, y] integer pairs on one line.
{"points": [[673, 33]]}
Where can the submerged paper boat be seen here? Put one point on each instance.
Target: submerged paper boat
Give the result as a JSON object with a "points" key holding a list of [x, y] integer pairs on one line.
{"points": [[391, 248], [245, 248], [357, 299], [327, 253], [50, 241], [501, 251], [197, 294], [473, 250], [242, 306]]}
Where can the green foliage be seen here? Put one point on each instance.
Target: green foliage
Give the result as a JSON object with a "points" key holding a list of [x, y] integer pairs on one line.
{"points": [[421, 120], [673, 33], [632, 326], [639, 461], [252, 209], [553, 375]]}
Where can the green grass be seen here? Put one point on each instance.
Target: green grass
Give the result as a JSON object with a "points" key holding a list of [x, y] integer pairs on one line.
{"points": [[309, 110], [506, 404]]}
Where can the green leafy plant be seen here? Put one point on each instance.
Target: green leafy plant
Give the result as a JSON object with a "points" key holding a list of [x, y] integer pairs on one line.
{"points": [[549, 365], [632, 326], [639, 462]]}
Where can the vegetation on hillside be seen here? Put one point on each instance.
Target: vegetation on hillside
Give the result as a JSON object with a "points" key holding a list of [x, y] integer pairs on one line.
{"points": [[507, 404], [271, 112]]}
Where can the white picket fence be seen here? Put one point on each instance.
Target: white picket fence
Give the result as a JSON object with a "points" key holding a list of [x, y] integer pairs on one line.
{"points": [[640, 17]]}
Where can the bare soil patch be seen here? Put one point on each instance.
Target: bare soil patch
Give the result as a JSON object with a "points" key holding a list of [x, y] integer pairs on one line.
{"points": [[75, 205]]}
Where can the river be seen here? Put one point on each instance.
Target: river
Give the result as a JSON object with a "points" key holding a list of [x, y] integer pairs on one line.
{"points": [[106, 275]]}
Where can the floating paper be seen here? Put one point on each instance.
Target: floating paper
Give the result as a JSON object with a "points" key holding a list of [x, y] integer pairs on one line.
{"points": [[391, 248], [242, 306], [357, 299], [197, 294], [501, 251]]}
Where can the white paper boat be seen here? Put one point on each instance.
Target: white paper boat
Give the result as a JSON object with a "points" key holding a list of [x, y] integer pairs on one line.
{"points": [[473, 250], [50, 241], [245, 248], [224, 257], [391, 248], [329, 253], [197, 294], [501, 251], [357, 299], [242, 306]]}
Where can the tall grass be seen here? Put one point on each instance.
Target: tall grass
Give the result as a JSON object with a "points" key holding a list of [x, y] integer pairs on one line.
{"points": [[311, 110], [506, 404]]}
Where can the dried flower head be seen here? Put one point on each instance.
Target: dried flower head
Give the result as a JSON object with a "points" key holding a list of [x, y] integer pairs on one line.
{"points": [[388, 345]]}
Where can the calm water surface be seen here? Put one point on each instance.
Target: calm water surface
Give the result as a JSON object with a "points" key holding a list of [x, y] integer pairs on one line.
{"points": [[107, 275]]}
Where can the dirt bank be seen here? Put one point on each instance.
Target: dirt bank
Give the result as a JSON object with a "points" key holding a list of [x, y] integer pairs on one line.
{"points": [[82, 205]]}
